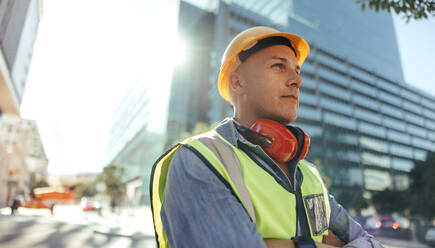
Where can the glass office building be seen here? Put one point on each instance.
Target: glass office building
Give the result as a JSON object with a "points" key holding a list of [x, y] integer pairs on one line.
{"points": [[131, 146], [195, 26], [365, 129], [367, 126]]}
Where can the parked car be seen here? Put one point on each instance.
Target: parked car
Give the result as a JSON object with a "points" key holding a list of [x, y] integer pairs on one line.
{"points": [[89, 204], [429, 237]]}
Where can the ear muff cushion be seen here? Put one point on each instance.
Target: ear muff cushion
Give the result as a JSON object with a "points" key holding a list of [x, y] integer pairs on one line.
{"points": [[300, 139]]}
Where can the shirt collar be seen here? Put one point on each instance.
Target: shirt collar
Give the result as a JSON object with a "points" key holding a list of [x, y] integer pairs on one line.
{"points": [[227, 129]]}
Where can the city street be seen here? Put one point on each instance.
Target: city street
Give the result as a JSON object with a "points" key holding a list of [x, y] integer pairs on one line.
{"points": [[71, 227]]}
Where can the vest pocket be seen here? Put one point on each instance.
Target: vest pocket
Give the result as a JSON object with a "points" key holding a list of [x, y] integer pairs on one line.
{"points": [[316, 212]]}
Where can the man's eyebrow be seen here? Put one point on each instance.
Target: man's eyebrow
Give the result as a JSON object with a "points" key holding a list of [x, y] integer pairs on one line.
{"points": [[279, 58]]}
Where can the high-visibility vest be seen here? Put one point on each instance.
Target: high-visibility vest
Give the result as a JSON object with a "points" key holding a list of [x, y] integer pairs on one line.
{"points": [[270, 206]]}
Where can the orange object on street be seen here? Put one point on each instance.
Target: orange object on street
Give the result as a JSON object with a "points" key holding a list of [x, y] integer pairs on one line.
{"points": [[47, 197]]}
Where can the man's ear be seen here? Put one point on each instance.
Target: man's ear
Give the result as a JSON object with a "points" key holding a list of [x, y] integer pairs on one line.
{"points": [[236, 84]]}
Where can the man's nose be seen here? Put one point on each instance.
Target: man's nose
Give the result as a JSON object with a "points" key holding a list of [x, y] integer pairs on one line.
{"points": [[294, 81]]}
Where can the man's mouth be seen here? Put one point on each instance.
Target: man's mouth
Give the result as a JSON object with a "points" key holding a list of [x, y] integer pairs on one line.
{"points": [[290, 97]]}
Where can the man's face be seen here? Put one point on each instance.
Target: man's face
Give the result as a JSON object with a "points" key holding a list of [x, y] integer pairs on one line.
{"points": [[271, 82]]}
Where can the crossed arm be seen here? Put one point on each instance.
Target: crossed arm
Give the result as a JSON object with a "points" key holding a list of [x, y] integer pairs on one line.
{"points": [[276, 243]]}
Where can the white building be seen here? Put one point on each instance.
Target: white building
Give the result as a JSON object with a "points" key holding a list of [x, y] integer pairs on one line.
{"points": [[22, 155]]}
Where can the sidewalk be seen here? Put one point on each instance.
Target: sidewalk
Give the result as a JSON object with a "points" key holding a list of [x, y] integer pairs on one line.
{"points": [[135, 223]]}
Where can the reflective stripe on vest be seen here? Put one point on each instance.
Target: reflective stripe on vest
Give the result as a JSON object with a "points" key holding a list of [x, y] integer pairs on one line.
{"points": [[268, 204]]}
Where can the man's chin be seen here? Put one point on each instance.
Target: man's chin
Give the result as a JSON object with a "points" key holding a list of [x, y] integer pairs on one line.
{"points": [[285, 120]]}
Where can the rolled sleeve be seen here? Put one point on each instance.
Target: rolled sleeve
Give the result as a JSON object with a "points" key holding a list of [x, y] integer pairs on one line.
{"points": [[200, 211], [347, 229]]}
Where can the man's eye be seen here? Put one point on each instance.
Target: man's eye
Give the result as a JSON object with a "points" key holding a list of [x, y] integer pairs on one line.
{"points": [[279, 66]]}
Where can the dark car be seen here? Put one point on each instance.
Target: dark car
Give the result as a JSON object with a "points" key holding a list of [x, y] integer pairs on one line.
{"points": [[429, 237]]}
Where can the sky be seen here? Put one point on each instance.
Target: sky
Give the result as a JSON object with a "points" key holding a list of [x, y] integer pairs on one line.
{"points": [[89, 53], [86, 56]]}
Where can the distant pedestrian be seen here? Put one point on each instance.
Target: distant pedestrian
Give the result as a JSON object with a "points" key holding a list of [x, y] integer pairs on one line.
{"points": [[14, 206], [52, 209], [113, 205]]}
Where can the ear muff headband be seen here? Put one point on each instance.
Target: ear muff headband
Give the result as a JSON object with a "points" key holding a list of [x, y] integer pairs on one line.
{"points": [[300, 139]]}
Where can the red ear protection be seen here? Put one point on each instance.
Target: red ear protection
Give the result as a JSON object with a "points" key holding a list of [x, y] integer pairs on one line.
{"points": [[284, 143]]}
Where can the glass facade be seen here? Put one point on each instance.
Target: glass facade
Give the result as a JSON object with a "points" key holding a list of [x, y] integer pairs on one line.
{"points": [[131, 146], [372, 127], [186, 107], [130, 117]]}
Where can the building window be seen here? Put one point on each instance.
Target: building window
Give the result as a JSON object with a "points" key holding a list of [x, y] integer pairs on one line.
{"points": [[414, 130], [430, 124], [410, 95], [308, 98], [312, 130], [400, 150], [420, 154], [423, 143], [339, 120], [371, 129], [430, 103], [336, 106], [309, 113], [335, 91], [411, 107], [429, 114], [343, 154], [365, 102], [373, 144], [367, 115], [392, 123], [401, 181], [376, 160], [333, 76], [391, 99], [398, 137], [391, 111], [377, 180], [414, 119], [342, 137], [363, 88], [332, 62], [308, 67], [309, 83], [361, 75], [388, 86], [402, 164]]}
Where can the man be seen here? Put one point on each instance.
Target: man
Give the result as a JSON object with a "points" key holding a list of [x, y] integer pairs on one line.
{"points": [[245, 183]]}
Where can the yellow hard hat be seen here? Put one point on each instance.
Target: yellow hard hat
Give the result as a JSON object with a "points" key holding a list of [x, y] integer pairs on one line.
{"points": [[248, 39]]}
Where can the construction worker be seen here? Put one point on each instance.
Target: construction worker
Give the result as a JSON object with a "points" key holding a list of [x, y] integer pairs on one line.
{"points": [[246, 183]]}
